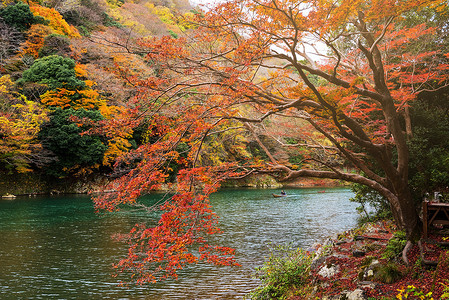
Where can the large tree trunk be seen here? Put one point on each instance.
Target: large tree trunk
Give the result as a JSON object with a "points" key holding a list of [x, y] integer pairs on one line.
{"points": [[405, 214], [404, 210]]}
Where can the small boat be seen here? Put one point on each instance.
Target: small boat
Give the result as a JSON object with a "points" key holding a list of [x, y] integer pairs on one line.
{"points": [[8, 196], [278, 195], [321, 191]]}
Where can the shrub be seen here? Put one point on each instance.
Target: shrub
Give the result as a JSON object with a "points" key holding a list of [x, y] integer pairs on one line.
{"points": [[412, 292], [55, 44], [388, 273], [54, 71], [18, 16], [372, 207], [286, 268], [395, 245], [73, 150]]}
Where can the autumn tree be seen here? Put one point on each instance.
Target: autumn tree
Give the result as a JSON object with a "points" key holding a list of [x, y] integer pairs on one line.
{"points": [[20, 148], [10, 40], [344, 68]]}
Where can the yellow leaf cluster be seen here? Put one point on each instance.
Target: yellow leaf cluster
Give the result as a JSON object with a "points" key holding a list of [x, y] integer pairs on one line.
{"points": [[19, 131], [116, 147], [5, 84]]}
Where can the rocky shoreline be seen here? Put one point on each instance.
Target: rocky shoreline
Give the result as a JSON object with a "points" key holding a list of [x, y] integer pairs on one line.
{"points": [[357, 265]]}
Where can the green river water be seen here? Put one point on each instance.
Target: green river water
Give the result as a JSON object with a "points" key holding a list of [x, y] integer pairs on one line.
{"points": [[58, 248]]}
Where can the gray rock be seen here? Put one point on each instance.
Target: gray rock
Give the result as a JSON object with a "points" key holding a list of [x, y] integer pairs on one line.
{"points": [[366, 284], [357, 294], [368, 273], [317, 262], [329, 271]]}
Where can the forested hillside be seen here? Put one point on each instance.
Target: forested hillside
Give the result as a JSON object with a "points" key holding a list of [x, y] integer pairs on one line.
{"points": [[65, 69], [75, 96], [70, 72]]}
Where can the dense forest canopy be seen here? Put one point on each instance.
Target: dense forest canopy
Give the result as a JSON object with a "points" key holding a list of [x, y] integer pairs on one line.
{"points": [[156, 94]]}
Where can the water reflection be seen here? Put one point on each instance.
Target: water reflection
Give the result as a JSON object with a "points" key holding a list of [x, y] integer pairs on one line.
{"points": [[58, 248]]}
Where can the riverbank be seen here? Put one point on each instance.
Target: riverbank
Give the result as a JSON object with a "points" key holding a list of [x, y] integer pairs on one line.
{"points": [[38, 184], [365, 263]]}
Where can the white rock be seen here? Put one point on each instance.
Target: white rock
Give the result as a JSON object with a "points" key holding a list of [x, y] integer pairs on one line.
{"points": [[328, 272], [357, 294]]}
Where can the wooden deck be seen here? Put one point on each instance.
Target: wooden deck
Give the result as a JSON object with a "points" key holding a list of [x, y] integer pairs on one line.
{"points": [[434, 213]]}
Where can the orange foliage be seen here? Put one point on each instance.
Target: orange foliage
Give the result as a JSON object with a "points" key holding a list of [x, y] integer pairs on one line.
{"points": [[353, 99], [57, 22], [87, 99], [35, 39]]}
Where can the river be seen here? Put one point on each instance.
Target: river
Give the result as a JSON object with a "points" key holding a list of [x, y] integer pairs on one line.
{"points": [[58, 248]]}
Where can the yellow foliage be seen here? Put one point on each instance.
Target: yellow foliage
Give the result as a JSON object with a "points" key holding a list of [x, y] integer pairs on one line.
{"points": [[116, 147], [90, 99], [119, 143], [57, 98], [5, 84], [111, 111], [166, 16], [5, 3], [164, 13], [90, 83], [136, 26], [19, 131], [7, 94]]}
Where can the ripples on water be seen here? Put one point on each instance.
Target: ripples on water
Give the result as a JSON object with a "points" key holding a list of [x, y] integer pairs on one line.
{"points": [[57, 248]]}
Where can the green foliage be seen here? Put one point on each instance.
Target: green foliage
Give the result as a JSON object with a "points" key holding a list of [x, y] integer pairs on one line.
{"points": [[372, 205], [290, 141], [18, 16], [388, 273], [445, 294], [412, 292], [395, 245], [84, 31], [63, 137], [110, 22], [54, 71], [286, 268], [257, 151], [174, 167], [173, 34], [429, 158], [417, 269], [115, 3], [296, 160]]}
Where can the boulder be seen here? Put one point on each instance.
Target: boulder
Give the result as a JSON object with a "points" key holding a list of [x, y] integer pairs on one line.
{"points": [[329, 271], [357, 294]]}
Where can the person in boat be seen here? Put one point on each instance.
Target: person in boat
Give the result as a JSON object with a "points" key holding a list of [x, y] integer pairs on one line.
{"points": [[283, 193]]}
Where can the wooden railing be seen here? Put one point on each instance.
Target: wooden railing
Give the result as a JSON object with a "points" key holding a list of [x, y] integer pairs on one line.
{"points": [[434, 213]]}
